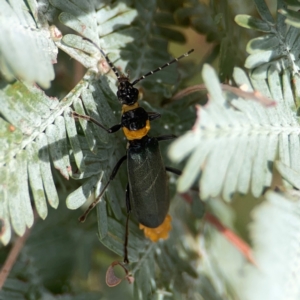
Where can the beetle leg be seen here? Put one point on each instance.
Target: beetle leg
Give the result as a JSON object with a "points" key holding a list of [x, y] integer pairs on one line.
{"points": [[166, 137], [112, 129], [173, 170], [128, 207], [153, 115], [116, 168], [111, 177], [126, 260]]}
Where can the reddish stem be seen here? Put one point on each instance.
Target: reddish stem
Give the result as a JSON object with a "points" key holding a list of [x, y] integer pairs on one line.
{"points": [[242, 246], [12, 256]]}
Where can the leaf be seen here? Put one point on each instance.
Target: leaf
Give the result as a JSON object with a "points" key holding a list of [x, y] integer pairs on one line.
{"points": [[292, 17], [252, 23], [262, 43], [292, 3], [263, 10], [289, 174], [111, 279], [27, 51], [79, 196]]}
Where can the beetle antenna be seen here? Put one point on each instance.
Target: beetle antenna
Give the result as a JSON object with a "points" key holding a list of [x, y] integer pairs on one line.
{"points": [[106, 57], [164, 66]]}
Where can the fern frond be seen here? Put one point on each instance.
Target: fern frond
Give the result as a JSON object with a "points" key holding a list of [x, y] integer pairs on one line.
{"points": [[26, 152], [30, 56], [276, 250], [277, 49], [234, 140]]}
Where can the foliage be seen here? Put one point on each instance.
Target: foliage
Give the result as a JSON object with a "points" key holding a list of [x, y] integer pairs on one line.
{"points": [[231, 145]]}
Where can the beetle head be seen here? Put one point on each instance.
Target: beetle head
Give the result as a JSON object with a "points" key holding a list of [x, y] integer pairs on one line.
{"points": [[127, 94]]}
